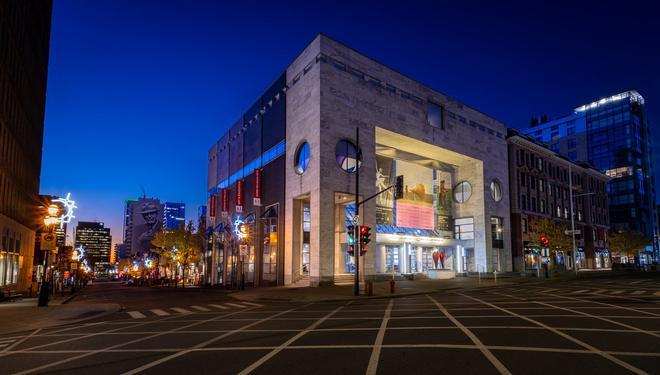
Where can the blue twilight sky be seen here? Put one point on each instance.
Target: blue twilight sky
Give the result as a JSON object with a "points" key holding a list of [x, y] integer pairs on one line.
{"points": [[139, 90]]}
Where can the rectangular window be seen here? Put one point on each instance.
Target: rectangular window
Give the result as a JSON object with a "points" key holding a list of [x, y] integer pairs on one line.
{"points": [[434, 115], [464, 228], [497, 229], [570, 130], [571, 143], [524, 225]]}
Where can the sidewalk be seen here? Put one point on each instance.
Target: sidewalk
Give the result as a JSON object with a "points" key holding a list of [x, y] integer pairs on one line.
{"points": [[24, 315], [381, 289]]}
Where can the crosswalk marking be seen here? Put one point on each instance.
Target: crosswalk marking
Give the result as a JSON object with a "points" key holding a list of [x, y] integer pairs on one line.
{"points": [[618, 292], [160, 312], [548, 290], [637, 292], [219, 307], [136, 315], [600, 291], [181, 310], [252, 304], [235, 305], [200, 308], [580, 291]]}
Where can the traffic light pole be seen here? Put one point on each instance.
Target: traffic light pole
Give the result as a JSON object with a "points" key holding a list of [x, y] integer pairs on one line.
{"points": [[356, 224]]}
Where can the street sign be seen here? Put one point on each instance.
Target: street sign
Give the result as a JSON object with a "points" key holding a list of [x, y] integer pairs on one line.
{"points": [[569, 232], [356, 219], [48, 241]]}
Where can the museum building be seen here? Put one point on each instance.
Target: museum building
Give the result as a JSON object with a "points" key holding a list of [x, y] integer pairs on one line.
{"points": [[281, 180]]}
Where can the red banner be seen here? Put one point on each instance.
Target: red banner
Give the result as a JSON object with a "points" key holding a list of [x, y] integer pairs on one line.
{"points": [[257, 183], [225, 200], [239, 196], [212, 203]]}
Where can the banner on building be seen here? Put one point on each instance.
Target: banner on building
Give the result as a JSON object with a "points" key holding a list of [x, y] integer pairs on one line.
{"points": [[212, 204], [257, 188], [239, 196], [225, 202]]}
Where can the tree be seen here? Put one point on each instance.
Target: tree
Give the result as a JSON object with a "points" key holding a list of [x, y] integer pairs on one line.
{"points": [[554, 234], [627, 242], [180, 246]]}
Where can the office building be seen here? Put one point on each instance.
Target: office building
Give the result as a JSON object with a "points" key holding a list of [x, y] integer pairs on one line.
{"points": [[614, 136], [95, 238], [281, 180], [540, 182], [174, 215], [24, 48]]}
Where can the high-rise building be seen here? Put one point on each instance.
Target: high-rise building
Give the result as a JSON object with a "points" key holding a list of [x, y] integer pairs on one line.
{"points": [[128, 224], [614, 136], [24, 45], [97, 242], [174, 215]]}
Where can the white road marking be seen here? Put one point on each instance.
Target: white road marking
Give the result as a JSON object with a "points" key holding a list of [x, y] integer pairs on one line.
{"points": [[180, 310], [547, 290], [599, 291], [487, 353], [618, 292], [200, 308], [136, 315], [235, 305], [160, 312], [219, 307], [580, 291], [638, 292], [657, 293], [252, 304], [378, 344]]}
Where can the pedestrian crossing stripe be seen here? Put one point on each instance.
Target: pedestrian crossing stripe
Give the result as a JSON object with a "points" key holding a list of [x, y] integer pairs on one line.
{"points": [[200, 308], [219, 307], [637, 292], [181, 310], [235, 305], [160, 312], [136, 315], [618, 292], [252, 304]]}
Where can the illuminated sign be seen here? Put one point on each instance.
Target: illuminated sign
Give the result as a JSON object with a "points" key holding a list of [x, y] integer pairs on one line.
{"points": [[240, 229]]}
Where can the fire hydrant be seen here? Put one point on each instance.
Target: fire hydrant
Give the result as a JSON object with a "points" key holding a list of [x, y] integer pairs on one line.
{"points": [[392, 286]]}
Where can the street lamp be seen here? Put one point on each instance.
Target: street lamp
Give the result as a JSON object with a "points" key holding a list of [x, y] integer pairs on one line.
{"points": [[570, 189]]}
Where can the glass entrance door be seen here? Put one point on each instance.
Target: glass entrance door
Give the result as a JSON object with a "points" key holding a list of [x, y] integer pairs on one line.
{"points": [[392, 259]]}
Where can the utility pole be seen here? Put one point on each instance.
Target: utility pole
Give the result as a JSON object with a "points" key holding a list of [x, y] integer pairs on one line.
{"points": [[356, 218]]}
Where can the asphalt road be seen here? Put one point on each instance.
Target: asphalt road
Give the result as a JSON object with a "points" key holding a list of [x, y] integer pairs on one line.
{"points": [[592, 326]]}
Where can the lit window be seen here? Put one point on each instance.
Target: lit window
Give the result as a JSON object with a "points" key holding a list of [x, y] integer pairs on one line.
{"points": [[462, 192], [347, 156], [302, 158]]}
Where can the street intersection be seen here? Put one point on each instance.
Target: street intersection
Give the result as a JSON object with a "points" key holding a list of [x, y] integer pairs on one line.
{"points": [[570, 327]]}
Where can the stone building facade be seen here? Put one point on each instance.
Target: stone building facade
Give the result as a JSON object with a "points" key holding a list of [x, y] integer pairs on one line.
{"points": [[540, 182], [454, 216]]}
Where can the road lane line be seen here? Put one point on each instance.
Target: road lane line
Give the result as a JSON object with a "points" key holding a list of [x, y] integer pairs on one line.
{"points": [[612, 305], [219, 307], [200, 308], [73, 358], [136, 314], [235, 305], [638, 292], [580, 291], [487, 353], [205, 343], [618, 292], [378, 344], [268, 356], [160, 312], [594, 350], [251, 304], [181, 310]]}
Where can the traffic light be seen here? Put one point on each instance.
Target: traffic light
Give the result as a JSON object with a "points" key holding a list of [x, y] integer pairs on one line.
{"points": [[350, 229], [365, 234], [544, 241], [398, 187]]}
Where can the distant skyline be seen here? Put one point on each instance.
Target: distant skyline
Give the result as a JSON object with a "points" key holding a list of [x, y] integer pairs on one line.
{"points": [[139, 90]]}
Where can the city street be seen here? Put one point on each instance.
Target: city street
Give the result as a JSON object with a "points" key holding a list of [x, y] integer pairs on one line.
{"points": [[598, 325]]}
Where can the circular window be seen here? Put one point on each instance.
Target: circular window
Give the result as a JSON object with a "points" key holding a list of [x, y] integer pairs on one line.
{"points": [[347, 156], [462, 192], [302, 158], [496, 190]]}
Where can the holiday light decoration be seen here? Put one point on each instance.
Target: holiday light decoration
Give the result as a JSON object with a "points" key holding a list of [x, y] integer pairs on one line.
{"points": [[69, 206]]}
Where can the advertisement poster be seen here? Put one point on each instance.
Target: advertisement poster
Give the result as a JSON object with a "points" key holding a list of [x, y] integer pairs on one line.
{"points": [[416, 209], [385, 201], [147, 221], [444, 200]]}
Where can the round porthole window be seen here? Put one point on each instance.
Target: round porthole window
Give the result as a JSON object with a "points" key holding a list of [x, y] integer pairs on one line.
{"points": [[302, 158], [496, 190], [347, 156], [462, 192]]}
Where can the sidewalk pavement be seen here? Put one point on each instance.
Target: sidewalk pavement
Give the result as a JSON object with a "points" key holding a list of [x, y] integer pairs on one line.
{"points": [[24, 315], [381, 289]]}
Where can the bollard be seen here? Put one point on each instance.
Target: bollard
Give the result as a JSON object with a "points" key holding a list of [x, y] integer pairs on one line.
{"points": [[392, 286]]}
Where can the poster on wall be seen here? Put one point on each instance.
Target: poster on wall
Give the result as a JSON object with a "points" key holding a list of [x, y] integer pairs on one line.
{"points": [[416, 209], [443, 200], [385, 201]]}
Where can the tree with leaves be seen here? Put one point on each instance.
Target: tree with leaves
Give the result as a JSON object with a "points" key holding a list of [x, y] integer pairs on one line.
{"points": [[179, 247], [554, 232], [627, 243]]}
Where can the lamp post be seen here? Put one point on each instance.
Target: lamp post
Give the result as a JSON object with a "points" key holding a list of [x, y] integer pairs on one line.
{"points": [[570, 189], [49, 221]]}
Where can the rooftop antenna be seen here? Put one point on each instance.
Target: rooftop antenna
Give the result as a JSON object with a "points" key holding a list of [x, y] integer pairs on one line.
{"points": [[144, 193]]}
